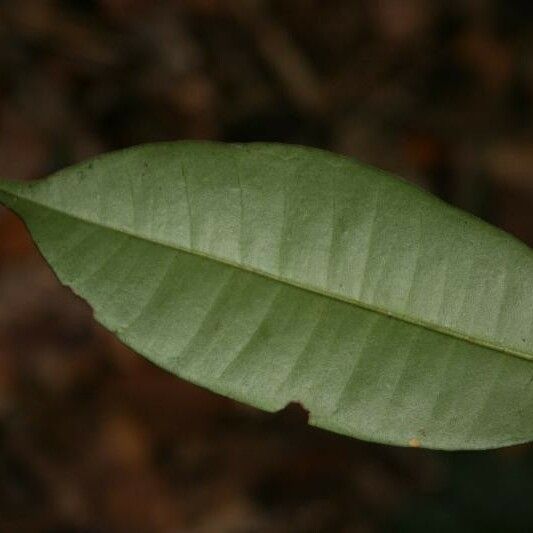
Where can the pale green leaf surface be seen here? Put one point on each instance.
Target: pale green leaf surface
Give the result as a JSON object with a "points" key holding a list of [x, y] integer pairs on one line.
{"points": [[274, 273]]}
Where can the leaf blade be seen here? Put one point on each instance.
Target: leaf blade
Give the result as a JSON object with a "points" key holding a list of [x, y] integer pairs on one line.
{"points": [[383, 369]]}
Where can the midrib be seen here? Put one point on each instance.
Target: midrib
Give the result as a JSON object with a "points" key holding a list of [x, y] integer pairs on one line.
{"points": [[436, 328]]}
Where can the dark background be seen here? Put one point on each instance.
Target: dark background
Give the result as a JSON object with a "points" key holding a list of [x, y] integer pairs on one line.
{"points": [[92, 437]]}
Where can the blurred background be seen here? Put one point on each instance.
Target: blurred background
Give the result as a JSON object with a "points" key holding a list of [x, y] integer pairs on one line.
{"points": [[95, 439]]}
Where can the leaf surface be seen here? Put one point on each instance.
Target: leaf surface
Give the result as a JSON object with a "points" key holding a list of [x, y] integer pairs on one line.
{"points": [[274, 273]]}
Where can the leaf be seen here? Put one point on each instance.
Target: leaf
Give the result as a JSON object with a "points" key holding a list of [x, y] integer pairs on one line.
{"points": [[274, 274]]}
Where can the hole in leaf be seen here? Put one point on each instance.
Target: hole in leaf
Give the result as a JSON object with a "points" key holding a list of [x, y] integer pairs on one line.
{"points": [[295, 412]]}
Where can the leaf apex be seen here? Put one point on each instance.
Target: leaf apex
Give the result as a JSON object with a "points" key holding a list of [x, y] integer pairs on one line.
{"points": [[8, 191]]}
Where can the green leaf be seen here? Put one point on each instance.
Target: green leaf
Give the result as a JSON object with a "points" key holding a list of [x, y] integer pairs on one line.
{"points": [[276, 274]]}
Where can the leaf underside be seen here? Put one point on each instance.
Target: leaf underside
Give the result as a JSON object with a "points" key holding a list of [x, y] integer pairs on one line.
{"points": [[273, 274]]}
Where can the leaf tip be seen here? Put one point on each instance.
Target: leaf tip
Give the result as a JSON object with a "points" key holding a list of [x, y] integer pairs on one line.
{"points": [[8, 192]]}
